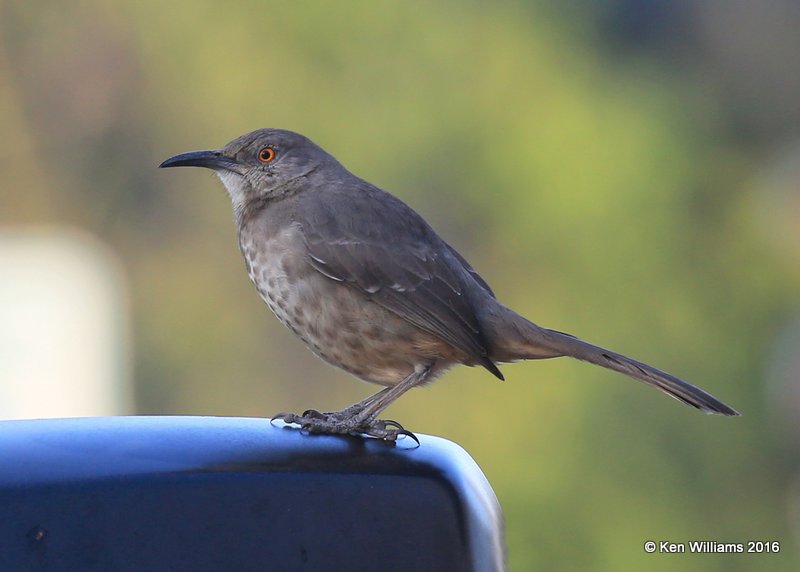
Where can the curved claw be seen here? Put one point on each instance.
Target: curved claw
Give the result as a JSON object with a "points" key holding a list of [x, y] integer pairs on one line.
{"points": [[386, 430], [285, 417], [407, 433]]}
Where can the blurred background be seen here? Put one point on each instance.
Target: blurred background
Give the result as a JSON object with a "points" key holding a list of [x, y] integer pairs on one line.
{"points": [[624, 170]]}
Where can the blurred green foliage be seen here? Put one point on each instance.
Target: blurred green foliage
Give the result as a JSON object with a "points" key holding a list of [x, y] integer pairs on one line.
{"points": [[601, 196]]}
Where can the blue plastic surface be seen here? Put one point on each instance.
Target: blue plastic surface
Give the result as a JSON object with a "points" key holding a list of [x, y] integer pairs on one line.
{"points": [[208, 493]]}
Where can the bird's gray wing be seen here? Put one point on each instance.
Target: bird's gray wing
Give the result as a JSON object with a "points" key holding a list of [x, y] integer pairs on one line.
{"points": [[375, 243], [472, 272]]}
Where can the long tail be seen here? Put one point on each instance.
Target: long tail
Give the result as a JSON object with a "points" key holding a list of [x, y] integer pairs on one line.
{"points": [[517, 338]]}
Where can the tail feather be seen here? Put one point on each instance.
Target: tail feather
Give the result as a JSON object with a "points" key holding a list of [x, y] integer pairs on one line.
{"points": [[516, 338], [669, 384]]}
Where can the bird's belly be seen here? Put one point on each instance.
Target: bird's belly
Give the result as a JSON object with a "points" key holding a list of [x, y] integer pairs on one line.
{"points": [[336, 322]]}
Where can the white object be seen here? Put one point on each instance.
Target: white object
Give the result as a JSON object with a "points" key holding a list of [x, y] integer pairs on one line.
{"points": [[63, 326]]}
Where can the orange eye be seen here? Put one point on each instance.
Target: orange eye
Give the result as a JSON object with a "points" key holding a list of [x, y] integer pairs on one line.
{"points": [[266, 155]]}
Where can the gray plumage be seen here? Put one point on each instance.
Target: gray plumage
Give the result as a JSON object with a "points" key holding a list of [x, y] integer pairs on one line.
{"points": [[370, 287]]}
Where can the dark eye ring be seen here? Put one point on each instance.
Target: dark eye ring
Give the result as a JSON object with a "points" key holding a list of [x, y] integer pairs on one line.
{"points": [[266, 155]]}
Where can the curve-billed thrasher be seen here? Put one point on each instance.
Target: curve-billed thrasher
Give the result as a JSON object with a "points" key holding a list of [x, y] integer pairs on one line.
{"points": [[371, 288]]}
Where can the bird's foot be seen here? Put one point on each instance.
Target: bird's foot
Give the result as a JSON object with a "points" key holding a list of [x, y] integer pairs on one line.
{"points": [[334, 423]]}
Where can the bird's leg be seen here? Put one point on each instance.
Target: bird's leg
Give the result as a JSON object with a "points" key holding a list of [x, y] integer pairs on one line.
{"points": [[386, 397], [345, 413], [360, 418]]}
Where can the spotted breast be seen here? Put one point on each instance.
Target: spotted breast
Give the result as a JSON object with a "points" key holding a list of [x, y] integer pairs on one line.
{"points": [[336, 323]]}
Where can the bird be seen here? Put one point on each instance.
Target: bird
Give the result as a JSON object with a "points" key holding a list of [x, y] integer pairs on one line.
{"points": [[370, 287]]}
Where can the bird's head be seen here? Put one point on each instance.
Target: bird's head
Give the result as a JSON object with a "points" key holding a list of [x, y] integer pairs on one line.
{"points": [[260, 164]]}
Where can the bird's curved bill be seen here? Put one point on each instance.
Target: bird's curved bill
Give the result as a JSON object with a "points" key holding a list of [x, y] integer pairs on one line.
{"points": [[208, 159]]}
